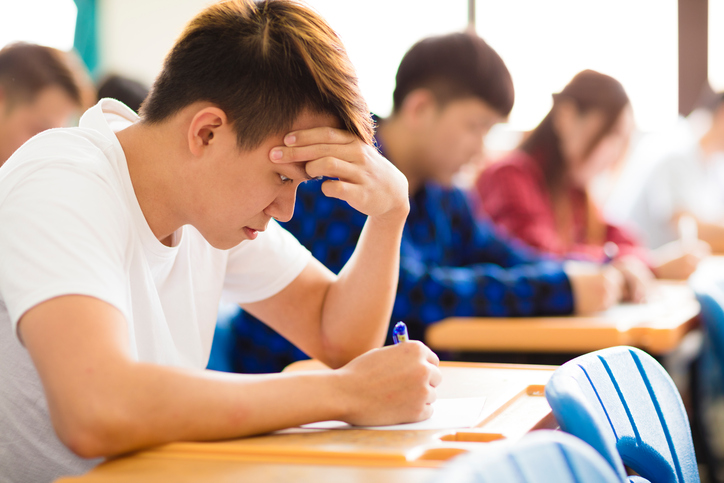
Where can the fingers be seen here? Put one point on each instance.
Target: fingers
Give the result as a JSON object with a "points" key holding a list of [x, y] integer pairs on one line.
{"points": [[435, 377], [333, 168], [319, 135], [300, 154], [432, 358]]}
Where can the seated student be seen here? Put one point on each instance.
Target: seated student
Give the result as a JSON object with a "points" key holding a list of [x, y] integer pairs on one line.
{"points": [[666, 178], [539, 193], [38, 91], [119, 237], [450, 91]]}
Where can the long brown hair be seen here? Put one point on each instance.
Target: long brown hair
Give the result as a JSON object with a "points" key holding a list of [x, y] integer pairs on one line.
{"points": [[588, 90], [263, 63]]}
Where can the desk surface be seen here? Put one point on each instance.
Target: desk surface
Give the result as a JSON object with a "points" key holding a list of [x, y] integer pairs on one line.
{"points": [[657, 327], [515, 404]]}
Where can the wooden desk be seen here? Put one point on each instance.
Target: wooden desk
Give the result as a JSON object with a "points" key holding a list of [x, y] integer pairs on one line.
{"points": [[515, 404], [656, 327]]}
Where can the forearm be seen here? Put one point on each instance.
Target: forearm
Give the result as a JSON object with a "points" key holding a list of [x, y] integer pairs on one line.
{"points": [[143, 405], [483, 290], [358, 305]]}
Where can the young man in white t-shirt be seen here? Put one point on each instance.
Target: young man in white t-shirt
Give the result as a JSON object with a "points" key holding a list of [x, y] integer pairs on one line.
{"points": [[119, 237]]}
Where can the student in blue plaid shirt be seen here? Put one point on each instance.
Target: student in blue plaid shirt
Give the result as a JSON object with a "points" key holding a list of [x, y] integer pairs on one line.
{"points": [[450, 91]]}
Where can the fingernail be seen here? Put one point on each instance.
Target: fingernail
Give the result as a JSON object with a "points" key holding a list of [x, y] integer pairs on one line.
{"points": [[290, 139], [276, 154]]}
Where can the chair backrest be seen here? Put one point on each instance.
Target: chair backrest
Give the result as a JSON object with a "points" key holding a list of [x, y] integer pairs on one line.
{"points": [[540, 457], [710, 294], [624, 404]]}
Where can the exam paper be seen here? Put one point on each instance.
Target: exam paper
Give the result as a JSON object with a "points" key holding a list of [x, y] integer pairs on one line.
{"points": [[454, 413]]}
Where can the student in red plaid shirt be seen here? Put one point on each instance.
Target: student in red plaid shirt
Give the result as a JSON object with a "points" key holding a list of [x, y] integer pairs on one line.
{"points": [[539, 193]]}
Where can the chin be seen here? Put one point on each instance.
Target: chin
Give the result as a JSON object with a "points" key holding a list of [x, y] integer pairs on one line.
{"points": [[224, 243]]}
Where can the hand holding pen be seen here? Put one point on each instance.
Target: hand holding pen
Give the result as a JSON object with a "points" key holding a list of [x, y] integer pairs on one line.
{"points": [[392, 385]]}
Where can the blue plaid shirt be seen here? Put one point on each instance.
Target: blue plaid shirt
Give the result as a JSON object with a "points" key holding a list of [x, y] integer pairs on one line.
{"points": [[451, 265]]}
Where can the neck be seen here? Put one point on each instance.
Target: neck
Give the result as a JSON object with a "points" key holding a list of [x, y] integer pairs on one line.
{"points": [[148, 150], [401, 148]]}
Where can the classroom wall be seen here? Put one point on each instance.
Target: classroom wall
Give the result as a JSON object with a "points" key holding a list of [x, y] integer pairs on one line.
{"points": [[138, 52]]}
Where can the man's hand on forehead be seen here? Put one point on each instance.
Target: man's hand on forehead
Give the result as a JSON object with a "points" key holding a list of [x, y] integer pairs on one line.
{"points": [[362, 177]]}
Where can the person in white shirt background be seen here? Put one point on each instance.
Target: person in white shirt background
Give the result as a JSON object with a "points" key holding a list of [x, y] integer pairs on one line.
{"points": [[674, 174]]}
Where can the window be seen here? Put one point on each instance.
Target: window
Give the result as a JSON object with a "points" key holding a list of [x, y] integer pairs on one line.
{"points": [[546, 43], [716, 44], [377, 33], [45, 22]]}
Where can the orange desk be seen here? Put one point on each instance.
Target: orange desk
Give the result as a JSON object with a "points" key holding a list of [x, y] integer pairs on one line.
{"points": [[514, 405], [656, 327]]}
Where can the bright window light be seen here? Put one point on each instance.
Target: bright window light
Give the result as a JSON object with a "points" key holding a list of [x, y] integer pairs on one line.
{"points": [[716, 44], [544, 44], [45, 22], [377, 33]]}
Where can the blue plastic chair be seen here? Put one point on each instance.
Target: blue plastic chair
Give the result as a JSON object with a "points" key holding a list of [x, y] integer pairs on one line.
{"points": [[540, 457], [710, 294], [707, 374], [624, 404]]}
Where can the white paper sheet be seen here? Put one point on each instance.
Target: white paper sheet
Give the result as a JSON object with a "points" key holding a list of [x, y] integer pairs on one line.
{"points": [[453, 413]]}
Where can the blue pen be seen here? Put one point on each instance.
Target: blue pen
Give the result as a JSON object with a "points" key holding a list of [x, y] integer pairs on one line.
{"points": [[399, 333]]}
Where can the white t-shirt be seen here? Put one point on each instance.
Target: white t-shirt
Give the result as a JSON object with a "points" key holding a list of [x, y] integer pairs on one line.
{"points": [[70, 224], [665, 176]]}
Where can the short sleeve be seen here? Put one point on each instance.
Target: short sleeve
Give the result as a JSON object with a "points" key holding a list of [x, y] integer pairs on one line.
{"points": [[63, 231], [258, 269]]}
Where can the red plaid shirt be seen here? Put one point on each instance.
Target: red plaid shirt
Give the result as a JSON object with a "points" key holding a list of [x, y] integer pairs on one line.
{"points": [[514, 196]]}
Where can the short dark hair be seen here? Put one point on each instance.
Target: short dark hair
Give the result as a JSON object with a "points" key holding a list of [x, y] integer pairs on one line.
{"points": [[27, 69], [128, 91], [455, 66], [262, 63]]}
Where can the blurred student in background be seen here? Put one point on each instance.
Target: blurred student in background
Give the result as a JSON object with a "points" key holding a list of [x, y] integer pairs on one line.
{"points": [[450, 91], [540, 192], [38, 91], [130, 92], [674, 174]]}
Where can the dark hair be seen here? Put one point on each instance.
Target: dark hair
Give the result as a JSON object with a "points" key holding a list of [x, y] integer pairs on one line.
{"points": [[588, 90], [128, 91], [262, 63], [27, 69], [455, 66]]}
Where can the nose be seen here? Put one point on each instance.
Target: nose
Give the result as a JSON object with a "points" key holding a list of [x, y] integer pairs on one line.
{"points": [[282, 208]]}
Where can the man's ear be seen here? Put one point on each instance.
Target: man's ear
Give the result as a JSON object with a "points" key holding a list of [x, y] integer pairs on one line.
{"points": [[419, 106], [204, 127]]}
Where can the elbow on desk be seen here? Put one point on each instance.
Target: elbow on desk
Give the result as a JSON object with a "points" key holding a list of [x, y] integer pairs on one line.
{"points": [[93, 432]]}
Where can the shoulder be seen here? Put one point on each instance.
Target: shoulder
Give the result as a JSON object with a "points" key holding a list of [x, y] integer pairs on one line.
{"points": [[73, 150], [62, 171], [516, 165], [515, 173]]}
